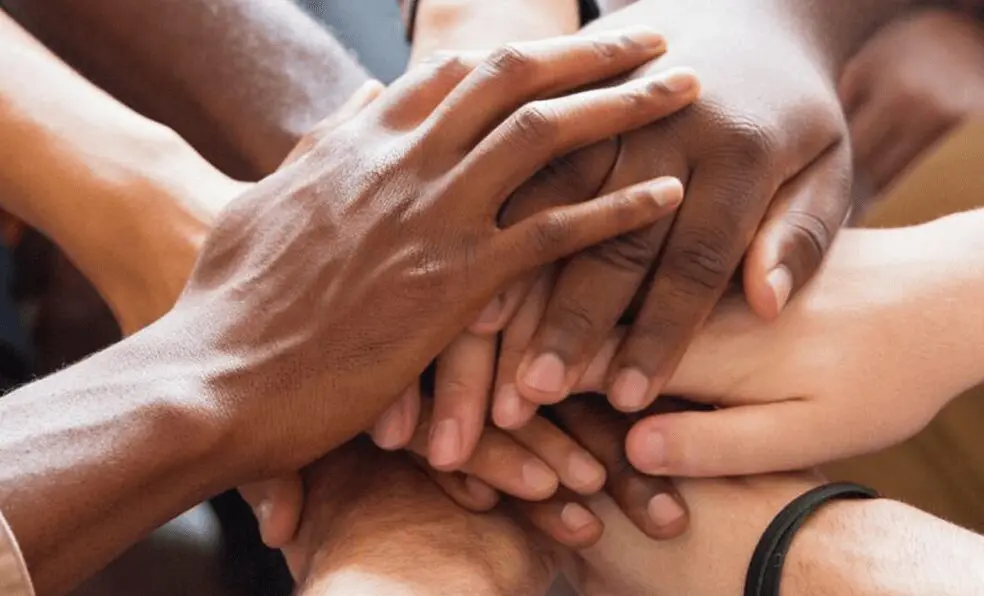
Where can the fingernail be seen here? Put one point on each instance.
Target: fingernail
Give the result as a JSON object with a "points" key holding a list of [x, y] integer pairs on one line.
{"points": [[538, 477], [664, 510], [386, 432], [479, 490], [492, 311], [445, 443], [585, 472], [780, 281], [666, 192], [546, 374], [263, 511], [630, 391], [575, 517], [653, 456], [678, 80], [508, 411]]}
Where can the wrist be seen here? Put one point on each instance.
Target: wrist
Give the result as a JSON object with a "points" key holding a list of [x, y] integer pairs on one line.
{"points": [[467, 25]]}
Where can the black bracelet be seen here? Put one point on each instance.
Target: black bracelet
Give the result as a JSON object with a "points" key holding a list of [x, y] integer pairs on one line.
{"points": [[588, 9], [765, 569]]}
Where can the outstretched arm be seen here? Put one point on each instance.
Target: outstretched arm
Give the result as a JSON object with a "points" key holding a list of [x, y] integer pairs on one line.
{"points": [[242, 81]]}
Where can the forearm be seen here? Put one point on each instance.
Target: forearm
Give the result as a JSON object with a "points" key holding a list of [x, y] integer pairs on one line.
{"points": [[882, 547], [446, 25], [126, 198], [835, 29], [242, 81], [392, 532], [97, 455]]}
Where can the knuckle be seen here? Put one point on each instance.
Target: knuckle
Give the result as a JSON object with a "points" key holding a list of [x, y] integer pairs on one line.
{"points": [[812, 235], [449, 66], [633, 252], [534, 125], [510, 61], [552, 231], [605, 50], [575, 320], [700, 263]]}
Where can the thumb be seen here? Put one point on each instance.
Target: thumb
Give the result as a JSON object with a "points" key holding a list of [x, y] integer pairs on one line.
{"points": [[740, 441], [277, 505], [792, 242]]}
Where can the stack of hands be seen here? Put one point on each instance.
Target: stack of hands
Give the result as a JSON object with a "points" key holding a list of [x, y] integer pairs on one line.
{"points": [[360, 277]]}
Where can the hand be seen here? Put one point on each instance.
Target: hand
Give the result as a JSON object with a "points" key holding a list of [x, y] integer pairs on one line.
{"points": [[909, 86], [401, 531], [527, 464], [406, 250], [864, 358], [464, 371], [764, 158], [652, 504], [729, 517]]}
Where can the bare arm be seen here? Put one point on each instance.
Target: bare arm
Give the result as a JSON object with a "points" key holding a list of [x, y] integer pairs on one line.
{"points": [[393, 532], [860, 548], [126, 198], [444, 25], [242, 81]]}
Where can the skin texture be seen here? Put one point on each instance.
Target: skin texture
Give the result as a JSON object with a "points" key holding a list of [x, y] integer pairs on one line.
{"points": [[909, 86], [866, 356], [768, 186], [770, 178], [242, 81], [397, 511], [205, 372], [465, 370]]}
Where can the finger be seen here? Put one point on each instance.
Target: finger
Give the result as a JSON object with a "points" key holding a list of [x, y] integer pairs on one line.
{"points": [[515, 74], [467, 491], [563, 519], [796, 235], [577, 469], [413, 97], [744, 440], [563, 231], [509, 409], [396, 426], [277, 504], [363, 96], [580, 315], [542, 130], [461, 397], [501, 462], [652, 503], [566, 180], [577, 319], [723, 209]]}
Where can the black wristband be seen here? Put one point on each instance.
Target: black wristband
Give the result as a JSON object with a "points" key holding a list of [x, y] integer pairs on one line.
{"points": [[765, 568], [588, 9]]}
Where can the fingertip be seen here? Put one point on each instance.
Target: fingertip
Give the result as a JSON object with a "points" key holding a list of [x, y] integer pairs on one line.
{"points": [[484, 497], [667, 515], [509, 410], [645, 448]]}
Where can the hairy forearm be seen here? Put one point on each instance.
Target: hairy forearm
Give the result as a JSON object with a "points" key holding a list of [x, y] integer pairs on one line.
{"points": [[242, 81], [94, 457], [882, 547], [462, 25], [393, 532]]}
